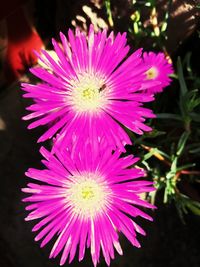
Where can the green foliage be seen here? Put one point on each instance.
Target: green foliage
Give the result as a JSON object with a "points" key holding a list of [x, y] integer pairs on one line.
{"points": [[175, 164], [154, 30], [185, 204], [107, 5], [171, 151]]}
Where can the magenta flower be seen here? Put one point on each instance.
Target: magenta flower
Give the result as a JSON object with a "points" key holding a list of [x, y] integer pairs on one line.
{"points": [[86, 201], [159, 70], [89, 88]]}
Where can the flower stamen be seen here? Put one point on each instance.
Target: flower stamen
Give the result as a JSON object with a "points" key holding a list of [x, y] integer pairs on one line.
{"points": [[88, 93], [88, 195], [152, 73], [87, 192]]}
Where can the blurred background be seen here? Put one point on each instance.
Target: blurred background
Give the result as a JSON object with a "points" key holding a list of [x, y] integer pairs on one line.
{"points": [[170, 153]]}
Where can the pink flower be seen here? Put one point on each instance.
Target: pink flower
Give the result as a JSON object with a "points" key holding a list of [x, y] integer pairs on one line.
{"points": [[90, 90], [86, 201], [159, 70]]}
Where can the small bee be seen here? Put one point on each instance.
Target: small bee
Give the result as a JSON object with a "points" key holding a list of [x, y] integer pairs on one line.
{"points": [[103, 87]]}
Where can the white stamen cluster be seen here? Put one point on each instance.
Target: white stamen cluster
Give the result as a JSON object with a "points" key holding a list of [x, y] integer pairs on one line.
{"points": [[88, 93], [87, 195], [152, 73]]}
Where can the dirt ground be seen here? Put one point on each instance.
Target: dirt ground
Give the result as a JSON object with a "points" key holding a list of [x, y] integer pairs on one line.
{"points": [[168, 241]]}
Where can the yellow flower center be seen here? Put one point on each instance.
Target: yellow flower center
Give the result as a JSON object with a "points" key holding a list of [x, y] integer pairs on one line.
{"points": [[87, 192], [152, 73], [86, 93], [87, 195]]}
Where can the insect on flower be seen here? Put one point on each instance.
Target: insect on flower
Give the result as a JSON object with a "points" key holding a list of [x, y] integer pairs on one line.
{"points": [[89, 88]]}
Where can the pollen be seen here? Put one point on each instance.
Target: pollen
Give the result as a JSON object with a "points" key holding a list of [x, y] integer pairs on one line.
{"points": [[88, 195], [87, 192], [86, 93], [152, 73]]}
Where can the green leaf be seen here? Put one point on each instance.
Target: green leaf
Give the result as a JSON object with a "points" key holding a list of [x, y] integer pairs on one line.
{"points": [[163, 154], [164, 26], [174, 166], [168, 116], [194, 206], [146, 165], [153, 134], [182, 82], [107, 4], [195, 116], [195, 150], [174, 76], [186, 166], [192, 100], [184, 203], [148, 155], [135, 28], [169, 190], [187, 59], [135, 17], [181, 143], [154, 151], [187, 104]]}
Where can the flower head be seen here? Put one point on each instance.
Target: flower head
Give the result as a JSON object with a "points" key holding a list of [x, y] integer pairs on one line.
{"points": [[88, 88], [86, 201], [159, 70]]}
